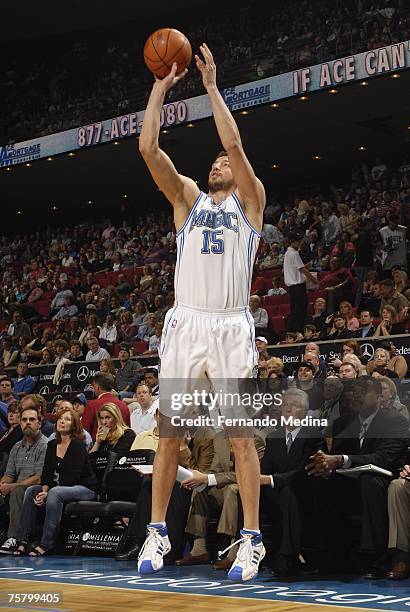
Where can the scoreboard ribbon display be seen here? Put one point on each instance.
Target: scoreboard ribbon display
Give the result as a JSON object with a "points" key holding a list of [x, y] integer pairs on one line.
{"points": [[314, 78]]}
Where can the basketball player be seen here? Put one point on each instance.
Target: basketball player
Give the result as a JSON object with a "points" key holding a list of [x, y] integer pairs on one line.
{"points": [[210, 331]]}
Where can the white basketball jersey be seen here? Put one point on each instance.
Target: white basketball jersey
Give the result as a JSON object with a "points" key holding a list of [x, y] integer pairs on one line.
{"points": [[216, 251]]}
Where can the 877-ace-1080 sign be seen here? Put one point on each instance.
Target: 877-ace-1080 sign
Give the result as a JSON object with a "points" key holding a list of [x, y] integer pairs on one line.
{"points": [[174, 113]]}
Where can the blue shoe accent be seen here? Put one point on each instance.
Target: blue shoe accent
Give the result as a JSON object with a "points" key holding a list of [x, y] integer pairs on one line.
{"points": [[162, 529], [146, 568], [235, 573], [257, 536]]}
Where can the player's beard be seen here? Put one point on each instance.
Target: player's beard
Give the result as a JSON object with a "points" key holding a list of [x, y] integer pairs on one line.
{"points": [[218, 184]]}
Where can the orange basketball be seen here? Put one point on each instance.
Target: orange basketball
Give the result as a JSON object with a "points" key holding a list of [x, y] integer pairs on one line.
{"points": [[163, 48]]}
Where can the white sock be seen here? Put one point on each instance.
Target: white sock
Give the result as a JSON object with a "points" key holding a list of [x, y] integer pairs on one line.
{"points": [[199, 547]]}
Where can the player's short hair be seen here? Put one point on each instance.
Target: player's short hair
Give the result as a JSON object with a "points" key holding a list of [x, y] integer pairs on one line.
{"points": [[221, 153]]}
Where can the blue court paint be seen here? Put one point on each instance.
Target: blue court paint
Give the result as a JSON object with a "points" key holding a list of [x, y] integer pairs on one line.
{"points": [[352, 593]]}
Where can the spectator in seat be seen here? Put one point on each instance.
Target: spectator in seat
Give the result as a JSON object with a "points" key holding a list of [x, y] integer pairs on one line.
{"points": [[9, 351], [18, 327], [24, 383], [285, 490], [140, 314], [368, 435], [319, 314], [155, 340], [68, 310], [67, 476], [306, 382], [6, 391], [112, 433], [336, 328], [76, 351], [143, 408], [102, 385], [262, 345], [277, 289], [389, 399], [366, 329], [273, 259], [373, 298], [11, 435], [147, 329], [391, 297], [107, 366], [389, 325], [401, 281], [259, 314], [346, 309], [347, 371], [47, 357], [24, 468], [309, 332], [385, 356], [222, 488], [398, 504], [129, 373], [126, 328], [95, 352], [61, 351], [151, 379], [109, 331]]}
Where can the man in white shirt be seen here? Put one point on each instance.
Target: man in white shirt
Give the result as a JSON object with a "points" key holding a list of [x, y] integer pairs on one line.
{"points": [[143, 409], [295, 274], [95, 352]]}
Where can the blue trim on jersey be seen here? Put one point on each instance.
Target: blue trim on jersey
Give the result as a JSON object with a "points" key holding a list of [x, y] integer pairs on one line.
{"points": [[250, 242], [244, 216], [254, 349], [164, 333], [190, 214]]}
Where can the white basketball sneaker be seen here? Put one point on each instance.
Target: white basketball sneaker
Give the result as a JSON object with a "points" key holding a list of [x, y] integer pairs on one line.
{"points": [[155, 547], [250, 554]]}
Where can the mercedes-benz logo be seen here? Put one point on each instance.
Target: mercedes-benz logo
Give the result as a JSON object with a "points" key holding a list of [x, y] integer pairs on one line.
{"points": [[44, 390], [83, 373], [367, 350], [66, 389]]}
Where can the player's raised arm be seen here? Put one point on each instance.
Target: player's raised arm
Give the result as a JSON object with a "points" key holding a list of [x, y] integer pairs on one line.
{"points": [[180, 190], [250, 188]]}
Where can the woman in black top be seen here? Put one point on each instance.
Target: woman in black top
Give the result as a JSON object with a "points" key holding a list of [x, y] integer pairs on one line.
{"points": [[67, 476], [112, 433]]}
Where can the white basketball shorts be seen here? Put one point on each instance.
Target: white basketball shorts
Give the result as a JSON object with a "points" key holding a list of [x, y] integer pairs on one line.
{"points": [[199, 344]]}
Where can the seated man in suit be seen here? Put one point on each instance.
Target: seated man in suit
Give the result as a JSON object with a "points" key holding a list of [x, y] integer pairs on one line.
{"points": [[282, 472], [399, 525], [222, 490], [367, 435]]}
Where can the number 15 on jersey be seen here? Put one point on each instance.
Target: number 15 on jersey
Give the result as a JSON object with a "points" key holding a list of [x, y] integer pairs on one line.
{"points": [[212, 242]]}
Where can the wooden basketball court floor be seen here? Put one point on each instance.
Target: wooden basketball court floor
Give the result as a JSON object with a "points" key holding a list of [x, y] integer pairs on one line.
{"points": [[96, 584]]}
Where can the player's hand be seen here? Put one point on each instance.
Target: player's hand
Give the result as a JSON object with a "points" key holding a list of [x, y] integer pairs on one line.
{"points": [[171, 79], [206, 67]]}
